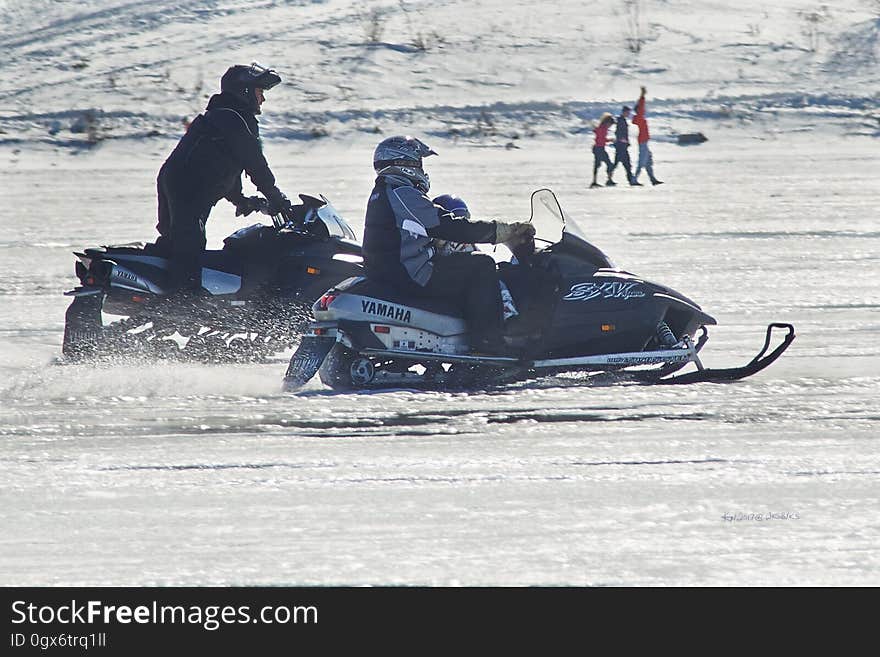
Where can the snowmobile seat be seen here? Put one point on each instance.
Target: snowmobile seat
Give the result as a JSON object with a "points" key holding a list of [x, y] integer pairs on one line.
{"points": [[132, 248], [439, 305]]}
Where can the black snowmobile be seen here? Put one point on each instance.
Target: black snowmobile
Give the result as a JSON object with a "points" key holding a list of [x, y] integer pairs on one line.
{"points": [[254, 302], [576, 313]]}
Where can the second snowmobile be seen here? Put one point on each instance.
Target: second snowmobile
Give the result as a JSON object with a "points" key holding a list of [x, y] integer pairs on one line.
{"points": [[255, 297], [577, 312]]}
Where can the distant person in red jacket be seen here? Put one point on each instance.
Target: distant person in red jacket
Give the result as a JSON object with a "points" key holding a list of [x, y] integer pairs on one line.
{"points": [[600, 155], [646, 158]]}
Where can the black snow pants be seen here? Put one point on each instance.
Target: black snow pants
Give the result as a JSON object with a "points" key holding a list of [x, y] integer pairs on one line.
{"points": [[600, 155], [621, 155], [181, 228]]}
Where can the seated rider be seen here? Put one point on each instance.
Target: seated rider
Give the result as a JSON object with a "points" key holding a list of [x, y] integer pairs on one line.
{"points": [[206, 165], [456, 206], [399, 231]]}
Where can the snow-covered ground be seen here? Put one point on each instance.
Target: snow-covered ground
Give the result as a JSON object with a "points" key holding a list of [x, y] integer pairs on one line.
{"points": [[188, 474], [495, 70]]}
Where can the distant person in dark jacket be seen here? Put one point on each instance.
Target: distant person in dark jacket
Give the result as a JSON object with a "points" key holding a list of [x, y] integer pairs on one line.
{"points": [[621, 145], [646, 158], [399, 249], [600, 155], [206, 165]]}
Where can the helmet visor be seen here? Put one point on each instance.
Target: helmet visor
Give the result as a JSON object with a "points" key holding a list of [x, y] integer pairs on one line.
{"points": [[264, 78]]}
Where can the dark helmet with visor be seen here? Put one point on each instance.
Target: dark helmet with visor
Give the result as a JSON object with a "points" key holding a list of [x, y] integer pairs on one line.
{"points": [[243, 81]]}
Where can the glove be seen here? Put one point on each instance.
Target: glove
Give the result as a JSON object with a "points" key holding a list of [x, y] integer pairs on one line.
{"points": [[249, 204], [291, 215], [513, 234], [277, 202]]}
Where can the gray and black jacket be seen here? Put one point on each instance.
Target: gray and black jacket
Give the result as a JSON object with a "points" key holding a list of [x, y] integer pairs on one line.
{"points": [[399, 229]]}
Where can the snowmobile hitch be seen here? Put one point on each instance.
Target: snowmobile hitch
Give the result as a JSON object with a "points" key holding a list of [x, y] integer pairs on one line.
{"points": [[758, 363]]}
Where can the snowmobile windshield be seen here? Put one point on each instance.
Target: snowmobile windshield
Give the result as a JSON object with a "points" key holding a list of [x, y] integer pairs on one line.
{"points": [[549, 220], [553, 226], [547, 217], [336, 225]]}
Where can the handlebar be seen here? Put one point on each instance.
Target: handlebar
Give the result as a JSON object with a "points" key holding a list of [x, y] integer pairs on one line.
{"points": [[296, 224], [280, 222], [299, 218], [278, 218]]}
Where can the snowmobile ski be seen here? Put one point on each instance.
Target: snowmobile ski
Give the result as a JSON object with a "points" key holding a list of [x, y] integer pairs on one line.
{"points": [[705, 375]]}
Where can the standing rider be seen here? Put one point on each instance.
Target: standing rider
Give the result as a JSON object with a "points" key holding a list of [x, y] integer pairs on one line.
{"points": [[206, 165], [399, 249]]}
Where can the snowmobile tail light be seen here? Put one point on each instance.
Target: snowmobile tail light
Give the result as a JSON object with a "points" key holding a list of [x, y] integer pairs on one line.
{"points": [[313, 270], [382, 329], [90, 280], [607, 328], [137, 298], [319, 331], [325, 301]]}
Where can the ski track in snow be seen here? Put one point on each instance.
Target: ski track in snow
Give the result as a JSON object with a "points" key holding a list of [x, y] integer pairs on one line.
{"points": [[174, 473]]}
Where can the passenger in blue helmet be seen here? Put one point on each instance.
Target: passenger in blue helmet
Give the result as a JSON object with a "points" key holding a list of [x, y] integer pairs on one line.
{"points": [[399, 231], [206, 165], [455, 206]]}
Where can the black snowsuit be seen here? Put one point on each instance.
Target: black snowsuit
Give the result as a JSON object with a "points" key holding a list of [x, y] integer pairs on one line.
{"points": [[399, 228], [205, 166], [621, 147]]}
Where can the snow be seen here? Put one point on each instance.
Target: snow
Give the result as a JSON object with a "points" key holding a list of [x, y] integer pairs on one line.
{"points": [[497, 67], [176, 473]]}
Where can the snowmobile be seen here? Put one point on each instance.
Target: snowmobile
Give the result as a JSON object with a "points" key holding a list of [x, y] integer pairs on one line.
{"points": [[576, 313], [254, 302]]}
